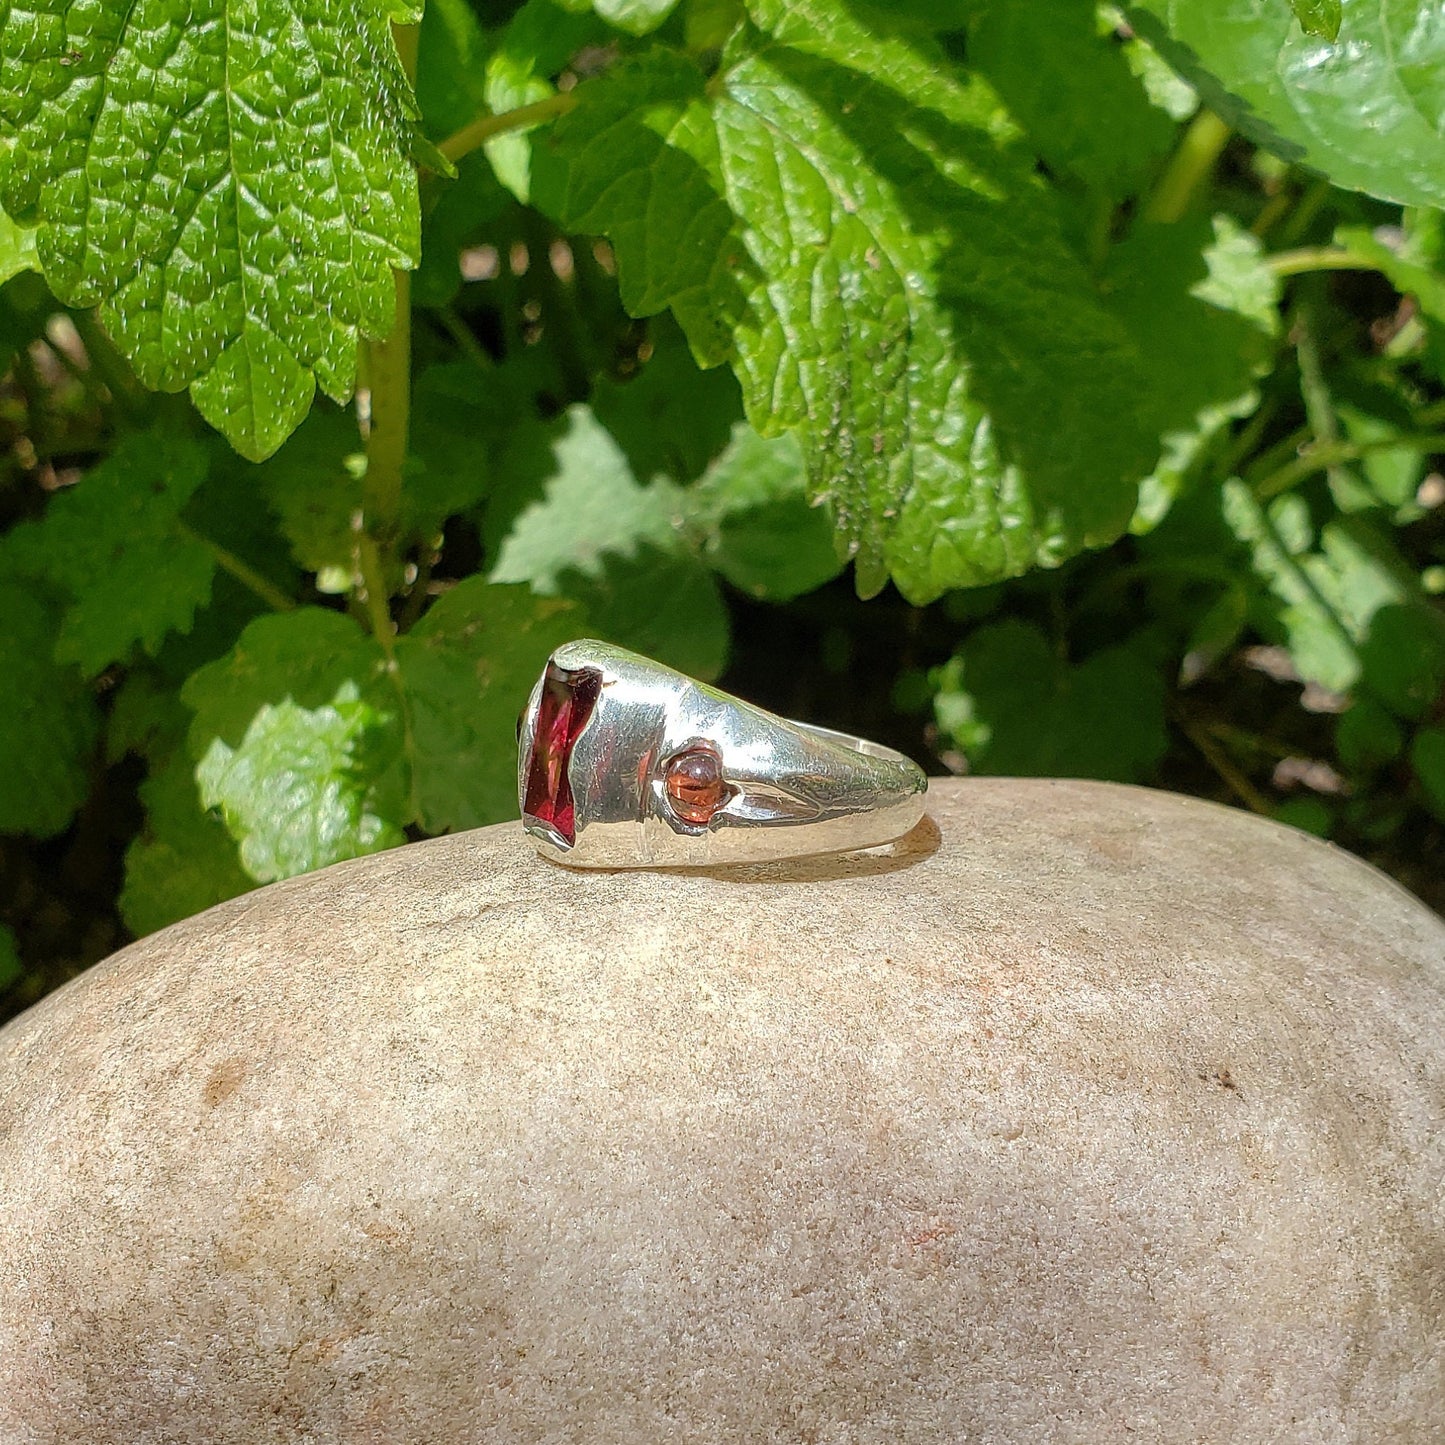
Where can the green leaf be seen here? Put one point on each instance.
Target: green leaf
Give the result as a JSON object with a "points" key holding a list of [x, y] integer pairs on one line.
{"points": [[232, 181], [466, 670], [10, 966], [1215, 633], [636, 17], [461, 417], [48, 721], [313, 485], [116, 543], [671, 417], [451, 62], [1367, 737], [571, 520], [183, 860], [1310, 815], [297, 794], [854, 232], [1014, 707], [1364, 106], [17, 249], [1074, 91], [440, 725], [1411, 259], [1427, 757], [1341, 600], [146, 718], [1387, 476], [580, 502], [534, 47], [458, 212], [306, 656], [761, 532], [1320, 18], [1203, 308], [1403, 655], [256, 393]]}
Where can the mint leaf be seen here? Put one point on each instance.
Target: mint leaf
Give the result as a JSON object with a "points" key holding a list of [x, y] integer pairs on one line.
{"points": [[1203, 308], [48, 721], [183, 860], [306, 656], [17, 249], [671, 417], [1305, 97], [231, 181], [570, 519], [1341, 600], [636, 17], [1387, 476], [760, 530], [313, 485], [853, 233], [466, 670], [1403, 655], [146, 718], [1427, 757], [1074, 91], [452, 52], [1310, 815], [461, 415], [534, 47], [439, 729], [116, 543], [1367, 737], [296, 794], [1013, 707], [664, 605], [580, 502]]}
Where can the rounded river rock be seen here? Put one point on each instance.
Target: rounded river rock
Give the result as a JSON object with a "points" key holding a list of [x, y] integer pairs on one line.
{"points": [[1086, 1114]]}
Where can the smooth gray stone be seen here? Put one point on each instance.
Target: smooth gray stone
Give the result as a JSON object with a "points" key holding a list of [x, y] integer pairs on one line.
{"points": [[1089, 1114]]}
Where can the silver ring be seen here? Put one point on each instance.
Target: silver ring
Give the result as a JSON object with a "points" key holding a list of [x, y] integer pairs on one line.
{"points": [[624, 763]]}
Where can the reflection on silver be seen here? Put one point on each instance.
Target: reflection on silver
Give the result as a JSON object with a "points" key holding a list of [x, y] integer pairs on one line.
{"points": [[624, 763]]}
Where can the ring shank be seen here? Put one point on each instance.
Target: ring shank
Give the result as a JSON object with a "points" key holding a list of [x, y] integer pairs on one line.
{"points": [[855, 744]]}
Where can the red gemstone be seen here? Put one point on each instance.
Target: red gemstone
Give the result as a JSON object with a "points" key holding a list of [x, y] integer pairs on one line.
{"points": [[695, 786], [567, 702]]}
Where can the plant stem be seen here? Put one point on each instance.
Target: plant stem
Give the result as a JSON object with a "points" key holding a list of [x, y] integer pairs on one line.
{"points": [[388, 374], [37, 422], [417, 598], [373, 582], [112, 368], [1321, 458], [387, 365], [242, 571], [1302, 217], [1313, 384], [1319, 258], [1188, 168], [1218, 759], [1247, 440], [461, 333], [477, 132]]}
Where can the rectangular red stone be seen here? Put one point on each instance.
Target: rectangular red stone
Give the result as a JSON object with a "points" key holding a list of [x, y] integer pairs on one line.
{"points": [[568, 699]]}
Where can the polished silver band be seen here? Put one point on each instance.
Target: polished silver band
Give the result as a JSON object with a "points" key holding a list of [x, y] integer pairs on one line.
{"points": [[624, 763]]}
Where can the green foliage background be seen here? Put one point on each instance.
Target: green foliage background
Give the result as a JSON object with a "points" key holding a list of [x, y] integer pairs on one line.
{"points": [[1041, 386]]}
